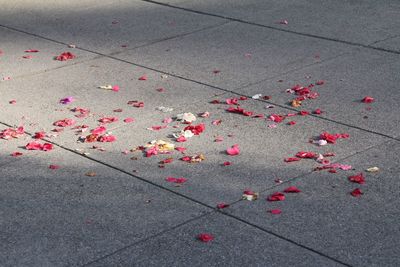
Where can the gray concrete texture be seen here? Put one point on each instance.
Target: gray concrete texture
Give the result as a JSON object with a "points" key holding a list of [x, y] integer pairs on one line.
{"points": [[108, 205]]}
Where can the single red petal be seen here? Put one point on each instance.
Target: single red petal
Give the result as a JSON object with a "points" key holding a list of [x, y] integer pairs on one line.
{"points": [[181, 139], [47, 147], [107, 138], [306, 155], [31, 51], [129, 120], [205, 237], [368, 99], [275, 211], [233, 151], [143, 78], [320, 82], [39, 135], [65, 56], [304, 113], [99, 130], [180, 149], [277, 196], [317, 111], [291, 159], [358, 178], [222, 205], [115, 88], [16, 154], [12, 102], [356, 192], [292, 189], [227, 163], [291, 123], [54, 167]]}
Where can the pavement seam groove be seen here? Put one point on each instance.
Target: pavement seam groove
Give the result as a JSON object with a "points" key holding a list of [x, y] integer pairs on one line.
{"points": [[212, 86], [147, 238], [275, 28], [291, 71]]}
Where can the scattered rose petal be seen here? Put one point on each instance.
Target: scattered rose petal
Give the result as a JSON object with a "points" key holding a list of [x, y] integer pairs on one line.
{"points": [[356, 192], [179, 180], [358, 178], [65, 56], [291, 123], [64, 122], [12, 102], [129, 120], [368, 99], [38, 146], [143, 78], [317, 111], [227, 163], [233, 151], [222, 205], [16, 154], [54, 167], [115, 88], [67, 100], [216, 122], [31, 51], [205, 237], [291, 159], [277, 196], [181, 139], [275, 211], [292, 189]]}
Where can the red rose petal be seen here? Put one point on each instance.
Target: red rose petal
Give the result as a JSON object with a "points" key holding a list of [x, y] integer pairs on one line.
{"points": [[356, 192], [143, 78], [222, 205], [275, 211], [277, 196], [129, 120], [358, 178], [368, 99], [205, 237], [234, 150], [292, 189], [54, 167]]}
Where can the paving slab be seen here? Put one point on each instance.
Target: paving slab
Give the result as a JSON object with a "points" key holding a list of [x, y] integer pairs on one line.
{"points": [[105, 26], [65, 217], [260, 163], [13, 46], [361, 22], [348, 79], [361, 231], [235, 243], [233, 55]]}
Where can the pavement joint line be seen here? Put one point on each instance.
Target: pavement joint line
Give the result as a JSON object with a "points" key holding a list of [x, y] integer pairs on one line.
{"points": [[186, 197], [291, 71], [367, 46], [27, 75], [385, 39], [172, 37], [209, 85], [147, 238], [285, 239]]}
